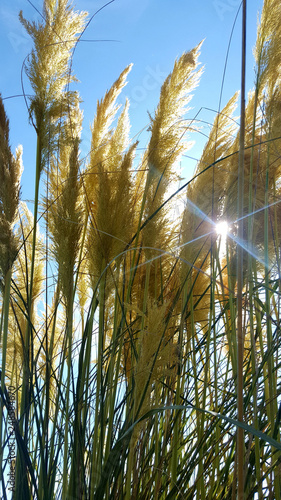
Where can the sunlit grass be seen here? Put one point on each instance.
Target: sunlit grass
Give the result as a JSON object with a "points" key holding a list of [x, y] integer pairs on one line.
{"points": [[118, 319]]}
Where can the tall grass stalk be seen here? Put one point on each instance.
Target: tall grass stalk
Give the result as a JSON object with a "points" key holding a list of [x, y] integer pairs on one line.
{"points": [[240, 280]]}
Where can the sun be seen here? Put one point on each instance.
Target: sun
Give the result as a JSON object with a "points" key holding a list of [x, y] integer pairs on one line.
{"points": [[222, 228]]}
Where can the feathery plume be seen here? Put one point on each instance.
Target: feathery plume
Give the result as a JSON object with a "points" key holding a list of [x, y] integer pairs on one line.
{"points": [[267, 50], [166, 144], [102, 132], [64, 207], [48, 67], [10, 176], [157, 357], [202, 211], [18, 315], [109, 182], [113, 216]]}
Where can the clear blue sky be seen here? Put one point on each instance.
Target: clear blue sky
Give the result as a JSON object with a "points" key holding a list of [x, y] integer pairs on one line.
{"points": [[148, 33]]}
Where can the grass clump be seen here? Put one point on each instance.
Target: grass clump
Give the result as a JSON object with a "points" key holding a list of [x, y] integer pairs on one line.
{"points": [[119, 325]]}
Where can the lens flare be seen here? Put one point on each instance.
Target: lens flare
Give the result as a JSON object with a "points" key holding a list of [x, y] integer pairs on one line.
{"points": [[222, 228]]}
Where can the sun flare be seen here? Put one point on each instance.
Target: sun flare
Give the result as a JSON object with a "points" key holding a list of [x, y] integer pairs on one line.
{"points": [[222, 228]]}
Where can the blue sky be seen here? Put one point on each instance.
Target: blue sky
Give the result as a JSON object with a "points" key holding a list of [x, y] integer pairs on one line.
{"points": [[148, 33]]}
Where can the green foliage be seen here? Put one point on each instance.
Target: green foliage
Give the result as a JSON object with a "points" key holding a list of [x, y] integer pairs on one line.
{"points": [[119, 368]]}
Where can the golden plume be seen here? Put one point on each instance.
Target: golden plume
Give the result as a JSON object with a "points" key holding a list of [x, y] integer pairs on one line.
{"points": [[166, 144], [48, 68], [10, 175]]}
